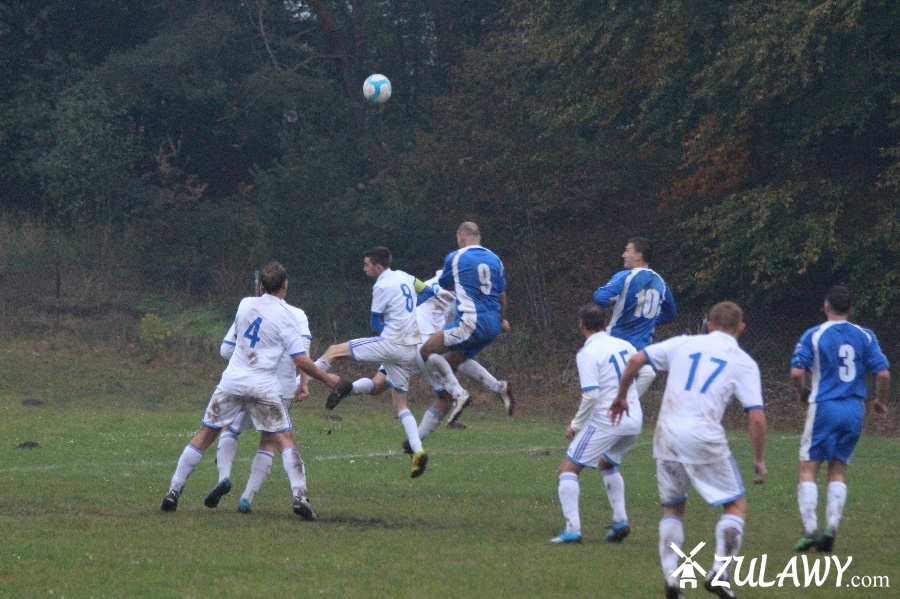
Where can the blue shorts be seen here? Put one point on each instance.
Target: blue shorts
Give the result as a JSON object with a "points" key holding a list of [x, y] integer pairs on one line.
{"points": [[470, 334], [832, 430]]}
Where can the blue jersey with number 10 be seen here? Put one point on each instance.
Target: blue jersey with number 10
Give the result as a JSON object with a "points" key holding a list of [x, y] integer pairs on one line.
{"points": [[642, 300], [475, 274], [839, 355]]}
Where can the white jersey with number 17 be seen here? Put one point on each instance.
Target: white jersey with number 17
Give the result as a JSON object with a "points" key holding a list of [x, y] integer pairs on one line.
{"points": [[705, 371]]}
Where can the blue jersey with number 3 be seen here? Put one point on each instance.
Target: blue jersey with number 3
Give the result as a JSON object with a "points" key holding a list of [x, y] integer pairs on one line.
{"points": [[642, 300], [839, 355]]}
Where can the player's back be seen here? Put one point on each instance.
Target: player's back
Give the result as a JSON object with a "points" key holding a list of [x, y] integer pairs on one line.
{"points": [[394, 297], [477, 278], [600, 365], [265, 331], [839, 355], [705, 372], [638, 306]]}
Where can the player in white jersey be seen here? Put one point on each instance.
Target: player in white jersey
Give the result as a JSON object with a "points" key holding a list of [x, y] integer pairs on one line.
{"points": [[839, 356], [690, 445], [393, 318], [250, 382], [595, 441], [432, 315], [293, 387]]}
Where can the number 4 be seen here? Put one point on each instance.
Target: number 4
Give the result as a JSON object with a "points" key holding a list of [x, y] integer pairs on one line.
{"points": [[252, 332]]}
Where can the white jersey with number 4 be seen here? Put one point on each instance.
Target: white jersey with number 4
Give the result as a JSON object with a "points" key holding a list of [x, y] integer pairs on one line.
{"points": [[287, 371], [705, 371], [266, 330]]}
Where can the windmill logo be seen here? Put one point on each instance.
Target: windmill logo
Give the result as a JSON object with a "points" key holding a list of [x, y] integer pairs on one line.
{"points": [[687, 571]]}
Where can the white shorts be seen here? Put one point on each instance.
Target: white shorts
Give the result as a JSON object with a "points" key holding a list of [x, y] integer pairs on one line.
{"points": [[717, 483], [591, 445], [243, 421], [267, 413], [396, 359]]}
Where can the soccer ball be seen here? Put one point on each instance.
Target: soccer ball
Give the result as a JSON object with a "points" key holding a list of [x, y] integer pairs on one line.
{"points": [[377, 89]]}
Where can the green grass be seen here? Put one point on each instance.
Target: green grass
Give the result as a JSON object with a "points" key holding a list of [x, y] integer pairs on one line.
{"points": [[80, 513]]}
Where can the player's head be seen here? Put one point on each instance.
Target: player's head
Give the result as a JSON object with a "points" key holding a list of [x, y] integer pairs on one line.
{"points": [[593, 318], [376, 261], [839, 300], [726, 317], [272, 277], [468, 233], [638, 252]]}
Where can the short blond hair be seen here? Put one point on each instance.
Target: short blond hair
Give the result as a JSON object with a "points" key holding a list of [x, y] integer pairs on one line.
{"points": [[726, 316], [470, 230]]}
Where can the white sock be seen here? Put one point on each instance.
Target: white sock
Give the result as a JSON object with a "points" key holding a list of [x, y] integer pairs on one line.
{"points": [[808, 499], [729, 534], [296, 471], [225, 453], [834, 509], [322, 364], [259, 472], [189, 459], [568, 499], [671, 530], [480, 375], [412, 431], [440, 368], [431, 419], [615, 492], [362, 386]]}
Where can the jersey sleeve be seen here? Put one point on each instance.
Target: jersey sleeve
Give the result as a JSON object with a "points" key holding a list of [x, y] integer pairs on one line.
{"points": [[668, 311], [446, 279], [876, 361], [803, 352], [380, 300], [587, 375], [658, 353], [748, 387], [500, 284], [228, 343], [604, 294]]}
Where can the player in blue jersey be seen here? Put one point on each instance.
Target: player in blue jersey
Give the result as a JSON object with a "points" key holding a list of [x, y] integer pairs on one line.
{"points": [[838, 356], [640, 300], [475, 275]]}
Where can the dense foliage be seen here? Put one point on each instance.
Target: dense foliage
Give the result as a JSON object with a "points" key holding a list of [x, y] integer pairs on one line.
{"points": [[757, 141]]}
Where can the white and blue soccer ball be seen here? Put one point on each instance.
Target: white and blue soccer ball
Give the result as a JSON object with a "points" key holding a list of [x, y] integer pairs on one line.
{"points": [[377, 89]]}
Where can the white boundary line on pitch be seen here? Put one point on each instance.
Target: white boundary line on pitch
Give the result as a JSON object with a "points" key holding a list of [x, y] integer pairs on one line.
{"points": [[329, 458]]}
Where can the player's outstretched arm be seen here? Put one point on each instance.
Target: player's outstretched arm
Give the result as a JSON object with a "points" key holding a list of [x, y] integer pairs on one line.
{"points": [[882, 389], [757, 428], [305, 364], [798, 378], [619, 405]]}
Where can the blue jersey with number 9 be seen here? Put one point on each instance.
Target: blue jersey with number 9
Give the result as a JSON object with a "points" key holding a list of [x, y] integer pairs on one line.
{"points": [[475, 274]]}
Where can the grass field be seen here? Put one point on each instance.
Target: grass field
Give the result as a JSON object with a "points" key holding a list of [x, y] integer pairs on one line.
{"points": [[80, 513]]}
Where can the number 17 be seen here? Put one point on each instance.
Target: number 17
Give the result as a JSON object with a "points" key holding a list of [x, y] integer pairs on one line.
{"points": [[695, 361]]}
